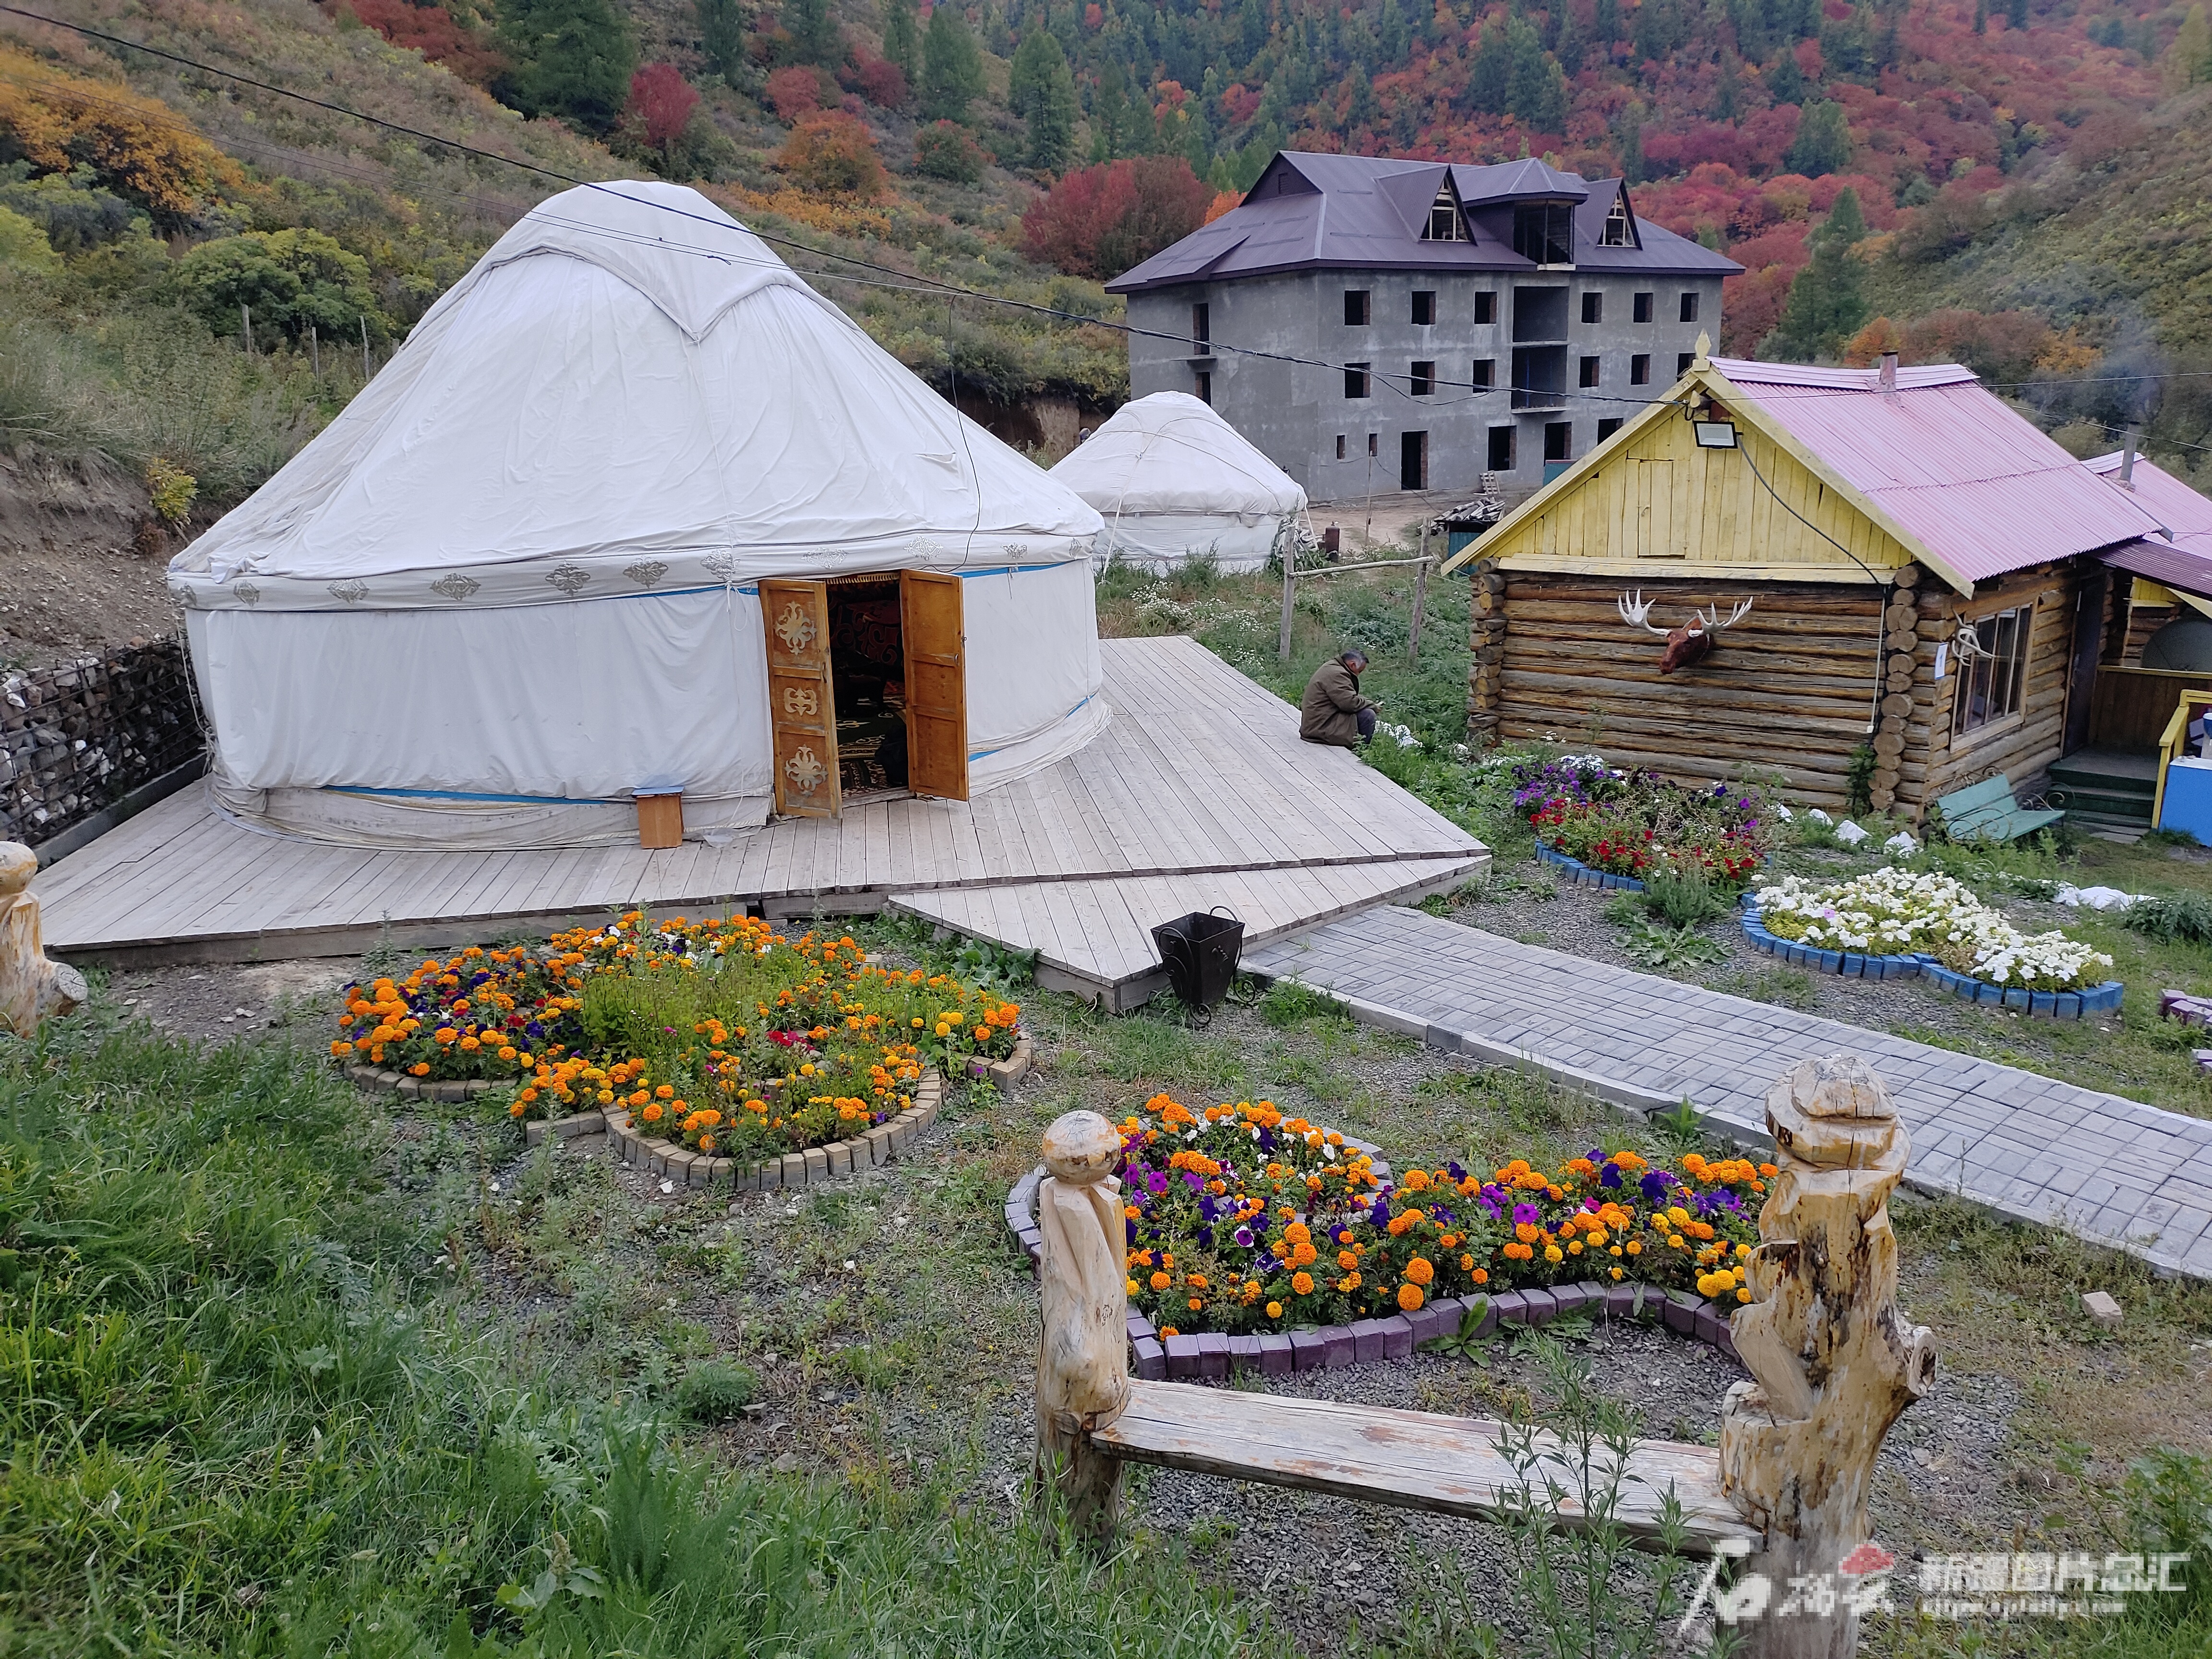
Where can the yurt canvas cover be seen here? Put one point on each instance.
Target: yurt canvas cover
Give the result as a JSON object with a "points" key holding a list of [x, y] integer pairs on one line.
{"points": [[519, 578], [1174, 480]]}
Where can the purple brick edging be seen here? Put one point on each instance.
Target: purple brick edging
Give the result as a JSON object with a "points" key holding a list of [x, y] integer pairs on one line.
{"points": [[1210, 1355], [371, 1079], [1856, 964]]}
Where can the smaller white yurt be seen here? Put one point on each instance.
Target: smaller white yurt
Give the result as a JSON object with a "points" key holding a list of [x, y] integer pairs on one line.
{"points": [[635, 513], [1174, 482]]}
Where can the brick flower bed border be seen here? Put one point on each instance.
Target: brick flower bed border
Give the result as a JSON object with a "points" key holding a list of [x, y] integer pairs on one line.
{"points": [[1581, 875], [1209, 1354], [1854, 964], [665, 1158]]}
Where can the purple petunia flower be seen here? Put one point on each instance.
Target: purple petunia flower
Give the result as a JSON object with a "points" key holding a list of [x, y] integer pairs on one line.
{"points": [[1194, 1181], [1655, 1184], [1243, 1237], [1204, 1236], [1132, 1233], [1524, 1212], [1157, 1182], [1452, 1169]]}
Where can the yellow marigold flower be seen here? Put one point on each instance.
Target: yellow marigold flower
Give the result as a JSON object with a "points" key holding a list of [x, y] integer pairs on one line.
{"points": [[1274, 1310], [1552, 1253]]}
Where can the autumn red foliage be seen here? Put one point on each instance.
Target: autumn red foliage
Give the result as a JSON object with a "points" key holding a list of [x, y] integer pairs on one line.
{"points": [[795, 91], [882, 83], [432, 31], [833, 153], [662, 100], [1100, 220]]}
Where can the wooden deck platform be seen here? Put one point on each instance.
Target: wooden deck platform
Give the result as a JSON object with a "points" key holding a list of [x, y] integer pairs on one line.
{"points": [[1199, 793]]}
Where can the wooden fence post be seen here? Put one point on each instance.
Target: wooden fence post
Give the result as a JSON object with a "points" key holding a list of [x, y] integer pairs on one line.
{"points": [[33, 990], [1834, 1362], [1083, 1361], [1290, 579], [1420, 601]]}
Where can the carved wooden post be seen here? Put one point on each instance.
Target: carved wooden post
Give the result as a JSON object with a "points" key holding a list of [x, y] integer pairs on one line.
{"points": [[1835, 1363], [33, 990], [1083, 1364]]}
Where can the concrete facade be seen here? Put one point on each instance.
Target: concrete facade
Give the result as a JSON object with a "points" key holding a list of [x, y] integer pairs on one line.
{"points": [[1300, 416]]}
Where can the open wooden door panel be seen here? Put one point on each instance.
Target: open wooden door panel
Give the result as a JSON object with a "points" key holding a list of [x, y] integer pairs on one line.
{"points": [[802, 705], [936, 685]]}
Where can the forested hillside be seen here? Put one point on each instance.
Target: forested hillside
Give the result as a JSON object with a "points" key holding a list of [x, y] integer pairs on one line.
{"points": [[196, 271]]}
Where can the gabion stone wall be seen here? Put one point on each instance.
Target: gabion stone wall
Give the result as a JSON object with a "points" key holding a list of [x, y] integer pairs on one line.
{"points": [[79, 737]]}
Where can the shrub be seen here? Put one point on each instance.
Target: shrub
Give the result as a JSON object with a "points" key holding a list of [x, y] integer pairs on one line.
{"points": [[290, 280], [714, 1390], [1100, 220], [137, 147], [1683, 893], [882, 83], [661, 100], [943, 149], [832, 153], [24, 246], [795, 92], [2171, 916], [171, 489]]}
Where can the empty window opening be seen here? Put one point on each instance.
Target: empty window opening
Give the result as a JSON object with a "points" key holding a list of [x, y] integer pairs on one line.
{"points": [[867, 674], [1558, 440], [1607, 427], [1425, 307], [1339, 446], [1689, 307], [1423, 380], [1412, 460], [1486, 306], [1993, 680], [1485, 373], [1355, 307], [1202, 323], [1544, 233], [1682, 361], [1444, 224], [1355, 380], [1374, 444], [1588, 372], [1592, 308], [1639, 369], [1618, 231], [1205, 378], [1643, 307], [1501, 449]]}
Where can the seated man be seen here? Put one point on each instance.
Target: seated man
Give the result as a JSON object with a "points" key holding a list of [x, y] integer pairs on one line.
{"points": [[1332, 710]]}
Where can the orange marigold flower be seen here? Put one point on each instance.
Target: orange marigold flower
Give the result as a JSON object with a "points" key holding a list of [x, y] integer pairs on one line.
{"points": [[1409, 1297], [1420, 1270], [1301, 1283]]}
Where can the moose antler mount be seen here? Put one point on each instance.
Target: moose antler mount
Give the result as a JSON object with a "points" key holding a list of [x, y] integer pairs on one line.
{"points": [[1690, 643]]}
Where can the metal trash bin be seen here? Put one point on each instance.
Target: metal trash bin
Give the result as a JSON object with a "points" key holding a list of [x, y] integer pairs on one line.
{"points": [[1200, 952]]}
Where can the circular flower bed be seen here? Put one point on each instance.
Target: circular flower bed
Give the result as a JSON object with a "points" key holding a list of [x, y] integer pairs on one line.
{"points": [[722, 1035], [1631, 824], [1242, 1219], [1892, 912]]}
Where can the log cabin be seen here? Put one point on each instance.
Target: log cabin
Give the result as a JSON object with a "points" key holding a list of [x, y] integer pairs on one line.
{"points": [[1887, 571]]}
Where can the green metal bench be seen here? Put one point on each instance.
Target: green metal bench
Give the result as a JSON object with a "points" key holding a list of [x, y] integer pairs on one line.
{"points": [[1987, 812]]}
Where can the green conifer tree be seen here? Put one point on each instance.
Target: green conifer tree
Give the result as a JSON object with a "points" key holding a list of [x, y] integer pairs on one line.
{"points": [[902, 38], [1629, 140], [1823, 143], [2016, 14], [1728, 96], [1488, 82], [722, 38], [1825, 307], [1981, 16], [1571, 45], [1047, 99], [567, 57], [1605, 27], [815, 36], [2189, 60], [1109, 116], [952, 66]]}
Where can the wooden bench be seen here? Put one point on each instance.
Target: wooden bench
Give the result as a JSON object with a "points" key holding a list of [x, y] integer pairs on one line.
{"points": [[1988, 811], [1406, 1460], [1833, 1360]]}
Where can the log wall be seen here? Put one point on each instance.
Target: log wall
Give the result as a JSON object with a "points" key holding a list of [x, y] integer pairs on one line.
{"points": [[2021, 749]]}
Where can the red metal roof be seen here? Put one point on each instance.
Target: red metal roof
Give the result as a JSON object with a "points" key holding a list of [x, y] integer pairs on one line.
{"points": [[2186, 514], [1971, 479]]}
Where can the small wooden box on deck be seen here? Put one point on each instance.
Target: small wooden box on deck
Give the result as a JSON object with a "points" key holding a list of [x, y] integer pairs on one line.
{"points": [[660, 819]]}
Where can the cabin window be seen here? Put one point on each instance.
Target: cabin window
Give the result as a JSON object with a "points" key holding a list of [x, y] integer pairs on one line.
{"points": [[1617, 233], [1592, 308], [1643, 307], [1590, 369], [1485, 373], [1425, 307], [1607, 427], [1689, 307], [1501, 449], [1425, 379], [1355, 307], [1444, 224], [1355, 380], [1639, 369], [1486, 306], [1205, 388], [1993, 679], [1339, 446]]}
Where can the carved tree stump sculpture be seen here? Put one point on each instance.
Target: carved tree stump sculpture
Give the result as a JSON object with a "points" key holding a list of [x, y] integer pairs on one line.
{"points": [[33, 990], [1083, 1364], [1835, 1363]]}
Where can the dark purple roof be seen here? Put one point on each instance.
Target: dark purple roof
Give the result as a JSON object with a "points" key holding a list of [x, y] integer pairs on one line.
{"points": [[1312, 212]]}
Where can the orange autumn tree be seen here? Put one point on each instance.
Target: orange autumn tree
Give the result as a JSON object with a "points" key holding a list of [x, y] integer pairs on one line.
{"points": [[140, 148]]}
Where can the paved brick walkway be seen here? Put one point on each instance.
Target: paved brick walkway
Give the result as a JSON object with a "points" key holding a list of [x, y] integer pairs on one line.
{"points": [[2110, 1170]]}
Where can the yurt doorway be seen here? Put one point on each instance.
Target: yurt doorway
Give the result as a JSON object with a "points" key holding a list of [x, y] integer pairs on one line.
{"points": [[867, 689]]}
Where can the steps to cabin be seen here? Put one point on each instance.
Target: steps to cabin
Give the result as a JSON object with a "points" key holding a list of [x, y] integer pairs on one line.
{"points": [[2104, 791]]}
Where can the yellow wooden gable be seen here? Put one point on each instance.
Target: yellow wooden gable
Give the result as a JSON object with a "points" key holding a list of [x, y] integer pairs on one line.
{"points": [[1651, 502]]}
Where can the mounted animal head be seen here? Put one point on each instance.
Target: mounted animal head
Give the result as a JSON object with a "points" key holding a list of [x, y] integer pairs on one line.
{"points": [[1690, 643]]}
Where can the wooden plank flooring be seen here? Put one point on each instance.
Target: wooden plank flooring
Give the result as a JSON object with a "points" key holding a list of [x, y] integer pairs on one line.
{"points": [[1409, 1460], [1199, 774]]}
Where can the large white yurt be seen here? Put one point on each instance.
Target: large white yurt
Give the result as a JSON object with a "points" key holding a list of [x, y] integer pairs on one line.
{"points": [[633, 512], [1174, 482]]}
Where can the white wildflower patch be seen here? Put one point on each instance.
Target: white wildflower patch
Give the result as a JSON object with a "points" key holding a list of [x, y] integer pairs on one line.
{"points": [[1895, 911]]}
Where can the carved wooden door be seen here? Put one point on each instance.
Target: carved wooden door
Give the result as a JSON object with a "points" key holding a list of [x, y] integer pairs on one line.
{"points": [[802, 708], [936, 685]]}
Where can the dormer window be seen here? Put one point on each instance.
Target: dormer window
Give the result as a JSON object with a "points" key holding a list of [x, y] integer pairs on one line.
{"points": [[1617, 231], [1544, 233], [1444, 224]]}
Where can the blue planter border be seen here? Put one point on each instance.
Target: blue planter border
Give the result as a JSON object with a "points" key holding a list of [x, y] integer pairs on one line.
{"points": [[1854, 964], [1581, 875]]}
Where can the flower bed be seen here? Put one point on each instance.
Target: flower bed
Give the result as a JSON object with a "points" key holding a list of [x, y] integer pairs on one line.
{"points": [[1936, 924], [1581, 875], [1626, 824], [720, 1036], [1240, 1220]]}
